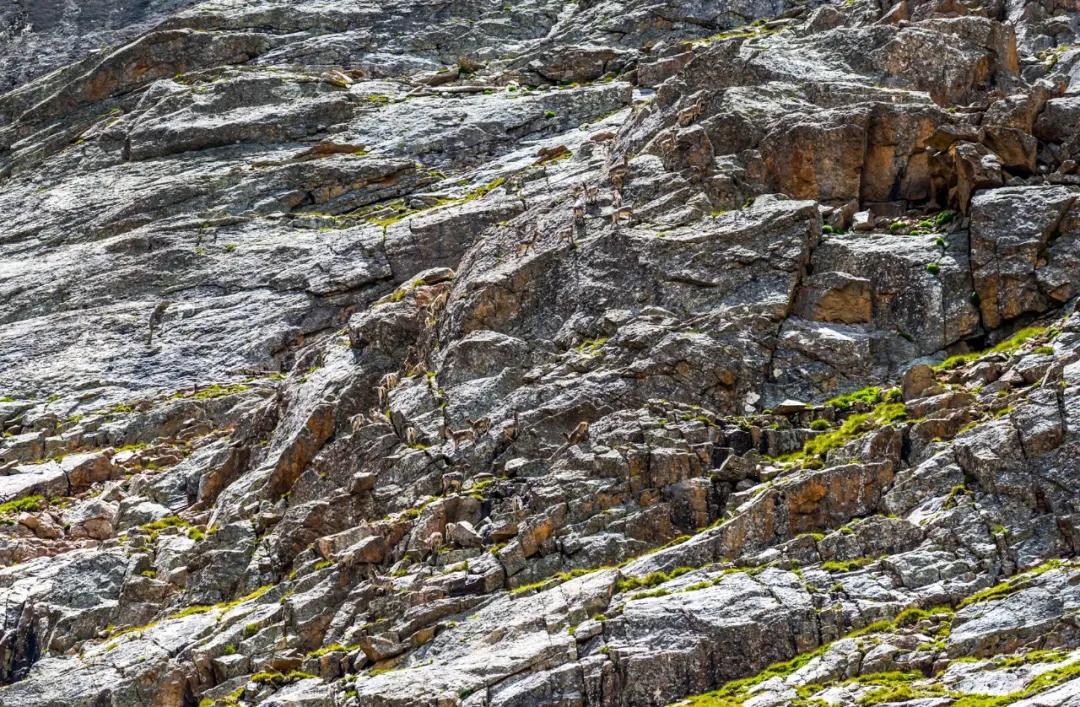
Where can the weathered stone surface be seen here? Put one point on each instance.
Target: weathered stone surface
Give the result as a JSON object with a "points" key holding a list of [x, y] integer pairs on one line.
{"points": [[42, 36], [1023, 246], [918, 380], [837, 297], [596, 353], [992, 627]]}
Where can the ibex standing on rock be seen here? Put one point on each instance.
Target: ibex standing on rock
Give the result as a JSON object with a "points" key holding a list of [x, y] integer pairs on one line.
{"points": [[481, 425], [623, 213], [578, 209], [451, 482], [433, 543], [619, 212], [511, 431], [528, 242], [592, 194], [459, 436], [386, 384], [435, 307], [618, 171], [689, 115], [372, 417], [439, 303], [156, 317], [578, 435]]}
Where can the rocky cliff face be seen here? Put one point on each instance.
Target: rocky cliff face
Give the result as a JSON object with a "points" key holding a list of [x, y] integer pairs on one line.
{"points": [[607, 353]]}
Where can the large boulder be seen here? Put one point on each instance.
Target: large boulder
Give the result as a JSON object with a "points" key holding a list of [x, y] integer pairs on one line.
{"points": [[1024, 250]]}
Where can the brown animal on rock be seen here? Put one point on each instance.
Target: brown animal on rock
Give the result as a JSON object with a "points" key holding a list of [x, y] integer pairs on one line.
{"points": [[156, 317], [458, 437], [578, 435], [511, 431], [481, 425]]}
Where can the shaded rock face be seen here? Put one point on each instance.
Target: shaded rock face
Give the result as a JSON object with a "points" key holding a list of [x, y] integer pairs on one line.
{"points": [[40, 36], [595, 353]]}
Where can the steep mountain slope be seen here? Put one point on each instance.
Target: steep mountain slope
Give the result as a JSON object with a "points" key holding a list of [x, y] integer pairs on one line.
{"points": [[41, 35], [547, 353]]}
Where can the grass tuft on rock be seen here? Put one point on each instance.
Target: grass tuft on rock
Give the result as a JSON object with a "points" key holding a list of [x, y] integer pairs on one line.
{"points": [[852, 428], [1007, 346], [28, 504]]}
